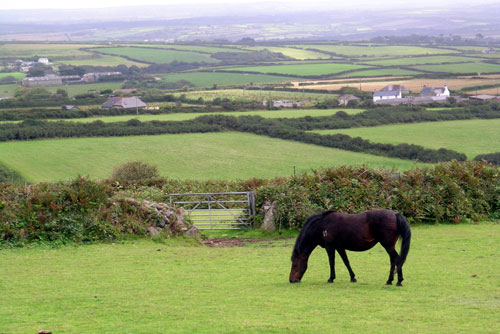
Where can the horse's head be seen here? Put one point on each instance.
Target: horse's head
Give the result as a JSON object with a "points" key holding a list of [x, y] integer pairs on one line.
{"points": [[299, 267]]}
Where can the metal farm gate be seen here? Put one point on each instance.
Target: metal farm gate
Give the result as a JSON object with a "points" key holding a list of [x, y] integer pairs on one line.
{"points": [[217, 211]]}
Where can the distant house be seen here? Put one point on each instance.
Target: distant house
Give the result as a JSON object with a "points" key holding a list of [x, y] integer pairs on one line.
{"points": [[283, 103], [387, 95], [44, 61], [344, 99], [390, 88], [93, 77], [123, 103], [70, 107], [431, 91], [48, 80]]}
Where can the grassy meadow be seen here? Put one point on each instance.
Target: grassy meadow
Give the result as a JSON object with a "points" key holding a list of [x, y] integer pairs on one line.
{"points": [[29, 50], [158, 56], [451, 286], [101, 60], [283, 113], [461, 68], [376, 50], [207, 156], [300, 69], [471, 137], [208, 79]]}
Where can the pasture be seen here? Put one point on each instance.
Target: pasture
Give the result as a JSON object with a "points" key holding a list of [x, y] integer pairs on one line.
{"points": [[256, 95], [158, 56], [376, 50], [208, 79], [77, 89], [451, 286], [471, 137], [300, 70], [283, 113], [296, 53], [15, 75], [422, 60], [461, 68], [29, 50], [101, 60], [199, 156]]}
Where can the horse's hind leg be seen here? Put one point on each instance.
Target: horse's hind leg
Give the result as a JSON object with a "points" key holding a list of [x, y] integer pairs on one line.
{"points": [[331, 258], [343, 255], [393, 256]]}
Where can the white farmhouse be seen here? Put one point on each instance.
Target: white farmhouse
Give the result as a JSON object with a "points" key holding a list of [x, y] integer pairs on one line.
{"points": [[44, 61], [387, 95], [435, 92]]}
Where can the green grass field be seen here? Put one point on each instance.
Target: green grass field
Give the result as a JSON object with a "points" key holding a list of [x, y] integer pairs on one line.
{"points": [[451, 286], [380, 72], [85, 88], [196, 48], [43, 50], [376, 51], [299, 54], [301, 69], [102, 61], [207, 156], [208, 79], [158, 56], [256, 95], [422, 60], [461, 68], [284, 113], [471, 137], [16, 75]]}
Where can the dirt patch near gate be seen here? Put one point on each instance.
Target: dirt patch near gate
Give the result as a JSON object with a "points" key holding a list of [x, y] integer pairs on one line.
{"points": [[235, 242]]}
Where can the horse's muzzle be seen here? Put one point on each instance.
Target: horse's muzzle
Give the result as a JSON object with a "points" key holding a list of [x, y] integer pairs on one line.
{"points": [[296, 280]]}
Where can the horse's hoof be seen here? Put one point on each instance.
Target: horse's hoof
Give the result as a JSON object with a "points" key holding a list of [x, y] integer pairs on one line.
{"points": [[353, 280], [399, 284], [388, 283], [330, 280]]}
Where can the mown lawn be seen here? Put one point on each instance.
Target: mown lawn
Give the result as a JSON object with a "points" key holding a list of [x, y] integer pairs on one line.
{"points": [[142, 286], [208, 156], [471, 137]]}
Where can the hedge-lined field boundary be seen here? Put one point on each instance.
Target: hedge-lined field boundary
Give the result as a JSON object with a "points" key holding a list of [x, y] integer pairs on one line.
{"points": [[82, 210]]}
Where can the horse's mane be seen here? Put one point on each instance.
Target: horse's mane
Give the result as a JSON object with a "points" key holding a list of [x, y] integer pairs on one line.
{"points": [[307, 230]]}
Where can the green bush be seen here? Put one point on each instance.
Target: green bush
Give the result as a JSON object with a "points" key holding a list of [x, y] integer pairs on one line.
{"points": [[135, 172]]}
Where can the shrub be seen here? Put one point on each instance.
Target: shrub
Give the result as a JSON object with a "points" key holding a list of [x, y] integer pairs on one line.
{"points": [[135, 172]]}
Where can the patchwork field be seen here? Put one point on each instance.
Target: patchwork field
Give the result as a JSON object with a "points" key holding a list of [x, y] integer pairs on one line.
{"points": [[376, 50], [414, 85], [100, 60], [85, 88], [158, 56], [422, 60], [208, 79], [208, 156], [299, 54], [16, 75], [461, 68], [471, 137], [451, 286], [256, 95], [300, 70], [26, 50], [284, 113]]}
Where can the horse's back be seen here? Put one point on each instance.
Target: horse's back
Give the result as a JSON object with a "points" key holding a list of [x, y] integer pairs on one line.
{"points": [[361, 231]]}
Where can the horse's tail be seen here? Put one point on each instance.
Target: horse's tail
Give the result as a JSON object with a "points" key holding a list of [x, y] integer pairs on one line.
{"points": [[405, 233]]}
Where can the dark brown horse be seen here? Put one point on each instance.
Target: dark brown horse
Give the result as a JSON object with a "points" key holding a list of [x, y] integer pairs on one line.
{"points": [[339, 232]]}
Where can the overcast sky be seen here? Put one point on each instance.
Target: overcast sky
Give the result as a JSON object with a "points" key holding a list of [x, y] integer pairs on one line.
{"points": [[36, 4]]}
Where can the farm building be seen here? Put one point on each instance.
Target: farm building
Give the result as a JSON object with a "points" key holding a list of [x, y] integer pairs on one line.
{"points": [[123, 103], [346, 98], [70, 107], [93, 77], [283, 103], [48, 80], [387, 95], [431, 91], [44, 61]]}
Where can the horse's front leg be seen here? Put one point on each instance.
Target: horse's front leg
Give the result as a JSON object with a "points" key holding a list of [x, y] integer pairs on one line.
{"points": [[343, 255], [331, 258]]}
